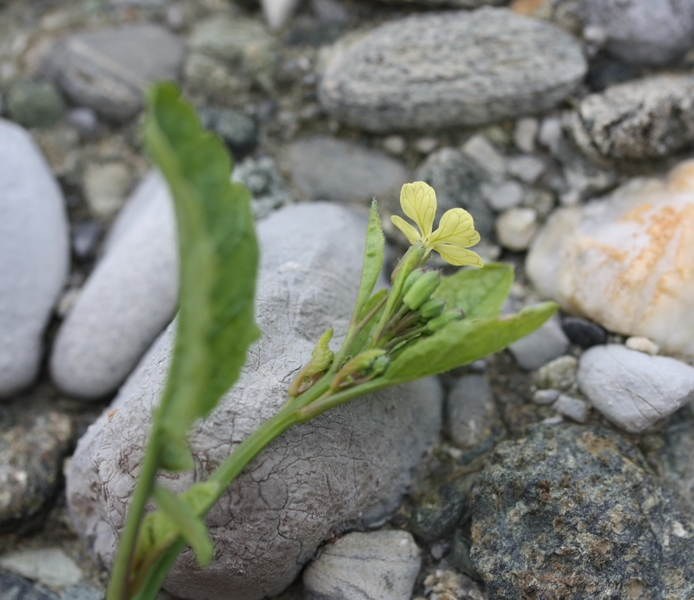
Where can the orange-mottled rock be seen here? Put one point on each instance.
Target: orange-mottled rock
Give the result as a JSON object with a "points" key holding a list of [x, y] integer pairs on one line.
{"points": [[626, 261]]}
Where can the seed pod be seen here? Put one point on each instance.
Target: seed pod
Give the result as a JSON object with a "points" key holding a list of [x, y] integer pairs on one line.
{"points": [[432, 308], [422, 290], [455, 314], [411, 280]]}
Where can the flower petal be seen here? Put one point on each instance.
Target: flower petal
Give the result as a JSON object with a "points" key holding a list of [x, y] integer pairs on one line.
{"points": [[455, 255], [456, 227], [418, 201], [410, 232]]}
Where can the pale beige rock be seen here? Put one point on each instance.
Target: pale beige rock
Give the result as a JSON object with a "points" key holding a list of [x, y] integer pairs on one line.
{"points": [[625, 262]]}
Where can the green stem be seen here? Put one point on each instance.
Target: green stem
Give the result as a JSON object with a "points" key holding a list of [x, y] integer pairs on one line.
{"points": [[118, 584]]}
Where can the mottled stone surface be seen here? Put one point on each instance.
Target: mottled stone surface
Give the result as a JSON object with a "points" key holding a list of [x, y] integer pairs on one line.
{"points": [[458, 68], [35, 251], [625, 262], [109, 69], [632, 389], [348, 467], [642, 119], [574, 512]]}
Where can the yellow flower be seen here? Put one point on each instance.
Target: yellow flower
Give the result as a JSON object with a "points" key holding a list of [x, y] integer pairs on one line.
{"points": [[456, 230]]}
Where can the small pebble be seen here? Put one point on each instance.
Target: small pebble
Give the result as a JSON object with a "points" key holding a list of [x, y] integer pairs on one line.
{"points": [[551, 134], [49, 566], [504, 195], [574, 408], [426, 145], [394, 144], [84, 120], [516, 227], [582, 332], [483, 152], [559, 374], [106, 187], [525, 133], [546, 396], [438, 550], [526, 168], [85, 237], [542, 345], [642, 344]]}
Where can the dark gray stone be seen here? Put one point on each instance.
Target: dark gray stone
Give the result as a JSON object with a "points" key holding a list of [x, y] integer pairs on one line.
{"points": [[109, 69], [439, 511], [642, 119], [85, 237], [17, 588], [35, 103], [31, 461], [574, 512], [675, 458], [84, 120], [458, 181], [582, 332], [431, 71], [265, 182], [82, 591], [237, 130]]}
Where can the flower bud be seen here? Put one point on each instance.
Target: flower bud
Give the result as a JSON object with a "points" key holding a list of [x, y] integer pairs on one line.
{"points": [[432, 308], [455, 314], [422, 290], [411, 280]]}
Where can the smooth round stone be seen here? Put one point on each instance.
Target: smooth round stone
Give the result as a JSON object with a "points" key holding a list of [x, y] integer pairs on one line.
{"points": [[624, 262], [582, 332], [432, 71], [35, 247]]}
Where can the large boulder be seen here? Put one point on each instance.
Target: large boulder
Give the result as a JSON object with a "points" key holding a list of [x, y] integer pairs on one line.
{"points": [[347, 468]]}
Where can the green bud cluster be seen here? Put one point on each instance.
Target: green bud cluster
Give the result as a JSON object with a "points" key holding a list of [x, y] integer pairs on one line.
{"points": [[421, 290]]}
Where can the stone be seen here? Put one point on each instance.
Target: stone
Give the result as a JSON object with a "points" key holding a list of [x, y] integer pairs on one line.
{"points": [[127, 301], [573, 408], [642, 31], [643, 119], [238, 131], [323, 168], [106, 186], [387, 564], [582, 332], [577, 514], [516, 227], [433, 71], [543, 397], [542, 345], [470, 416], [212, 78], [278, 12], [108, 70], [525, 133], [623, 261], [448, 584], [16, 588], [426, 144], [34, 233], [49, 566], [264, 181], [631, 389], [438, 512], [642, 344], [35, 103], [559, 374], [82, 591], [84, 120], [394, 144], [483, 152], [551, 133], [60, 146], [526, 168], [348, 468], [85, 237], [503, 196], [31, 460], [675, 457], [458, 182]]}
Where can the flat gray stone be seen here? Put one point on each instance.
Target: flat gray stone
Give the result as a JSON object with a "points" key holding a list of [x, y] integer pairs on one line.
{"points": [[381, 565], [127, 301], [631, 389], [324, 168], [109, 69], [35, 247], [49, 566], [432, 71], [647, 118], [470, 412], [347, 468], [541, 346]]}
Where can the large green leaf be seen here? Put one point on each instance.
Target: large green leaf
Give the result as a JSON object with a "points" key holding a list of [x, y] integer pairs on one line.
{"points": [[218, 263], [462, 342], [479, 292]]}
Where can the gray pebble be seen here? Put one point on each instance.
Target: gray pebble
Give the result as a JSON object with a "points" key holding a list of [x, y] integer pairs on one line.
{"points": [[470, 412], [82, 591], [538, 348], [504, 195], [35, 103], [236, 129], [85, 237], [574, 408], [17, 588], [85, 120], [431, 71], [558, 374], [264, 181], [543, 397], [50, 566], [381, 565], [438, 512]]}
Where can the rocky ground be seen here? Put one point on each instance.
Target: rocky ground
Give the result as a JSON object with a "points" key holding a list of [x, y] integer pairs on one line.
{"points": [[561, 468]]}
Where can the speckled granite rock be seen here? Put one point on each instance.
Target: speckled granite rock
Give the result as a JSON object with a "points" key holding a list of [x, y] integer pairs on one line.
{"points": [[642, 119], [431, 71], [348, 467], [574, 512], [625, 261], [35, 251]]}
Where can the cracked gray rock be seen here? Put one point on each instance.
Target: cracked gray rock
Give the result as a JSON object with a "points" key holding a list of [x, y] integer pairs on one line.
{"points": [[647, 118], [348, 468], [432, 71], [35, 251]]}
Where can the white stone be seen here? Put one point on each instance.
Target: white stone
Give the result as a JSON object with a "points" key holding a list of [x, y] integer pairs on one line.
{"points": [[546, 396], [526, 168], [483, 152], [106, 187], [642, 344], [551, 133], [382, 565], [516, 227], [349, 467], [625, 262], [631, 389], [127, 301], [394, 144], [35, 251], [504, 195], [574, 408], [525, 133], [278, 12], [49, 566]]}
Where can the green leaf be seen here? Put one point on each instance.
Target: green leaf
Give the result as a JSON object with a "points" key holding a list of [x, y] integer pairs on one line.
{"points": [[218, 263], [156, 575], [479, 292], [462, 342], [191, 527], [373, 258]]}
